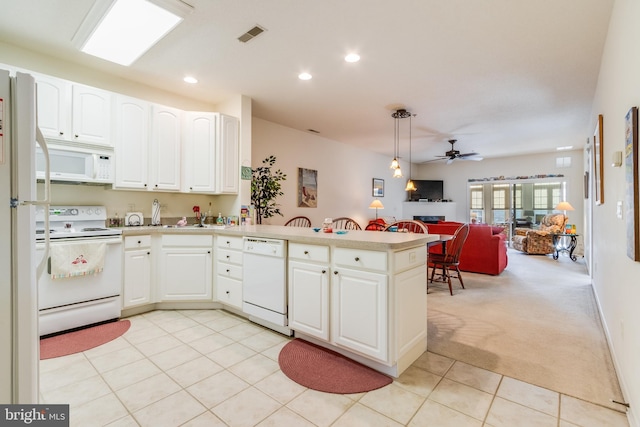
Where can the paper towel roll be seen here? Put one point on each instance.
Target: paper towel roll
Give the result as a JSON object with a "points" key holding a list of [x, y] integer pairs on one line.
{"points": [[155, 213]]}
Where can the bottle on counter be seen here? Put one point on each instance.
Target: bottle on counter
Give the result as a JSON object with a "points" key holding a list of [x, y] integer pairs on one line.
{"points": [[220, 220]]}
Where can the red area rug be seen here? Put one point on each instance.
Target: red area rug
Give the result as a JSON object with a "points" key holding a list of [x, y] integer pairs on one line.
{"points": [[321, 369], [81, 340]]}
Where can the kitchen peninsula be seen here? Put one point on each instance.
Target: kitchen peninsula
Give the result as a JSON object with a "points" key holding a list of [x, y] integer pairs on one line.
{"points": [[361, 293]]}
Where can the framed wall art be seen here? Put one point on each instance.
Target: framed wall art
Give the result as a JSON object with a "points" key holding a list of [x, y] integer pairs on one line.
{"points": [[307, 188], [631, 183], [378, 187], [598, 167]]}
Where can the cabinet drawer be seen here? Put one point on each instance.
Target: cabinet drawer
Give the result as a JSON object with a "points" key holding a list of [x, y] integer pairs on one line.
{"points": [[189, 240], [229, 270], [137, 242], [309, 252], [358, 258], [410, 258], [229, 242], [229, 256], [229, 291]]}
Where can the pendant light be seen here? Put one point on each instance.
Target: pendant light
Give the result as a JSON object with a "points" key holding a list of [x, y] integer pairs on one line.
{"points": [[410, 185], [395, 165]]}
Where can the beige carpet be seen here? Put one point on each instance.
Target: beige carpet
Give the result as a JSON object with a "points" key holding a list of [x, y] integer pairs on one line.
{"points": [[537, 322]]}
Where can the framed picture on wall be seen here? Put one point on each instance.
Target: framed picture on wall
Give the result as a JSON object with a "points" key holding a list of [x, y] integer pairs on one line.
{"points": [[598, 167], [378, 187], [307, 188], [631, 183]]}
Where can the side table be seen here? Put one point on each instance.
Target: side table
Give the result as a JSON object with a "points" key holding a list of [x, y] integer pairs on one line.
{"points": [[565, 243]]}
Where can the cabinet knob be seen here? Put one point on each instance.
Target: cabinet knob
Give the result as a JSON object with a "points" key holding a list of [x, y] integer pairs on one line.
{"points": [[75, 135], [324, 271], [139, 241], [228, 257], [306, 252], [357, 258], [61, 133], [145, 185], [208, 252], [156, 185], [228, 292], [335, 272], [148, 253], [228, 271]]}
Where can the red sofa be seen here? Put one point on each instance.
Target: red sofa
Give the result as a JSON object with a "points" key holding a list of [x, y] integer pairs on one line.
{"points": [[484, 251]]}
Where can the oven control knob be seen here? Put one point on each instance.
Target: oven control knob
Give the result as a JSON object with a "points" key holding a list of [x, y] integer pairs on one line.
{"points": [[89, 211], [98, 211], [73, 211]]}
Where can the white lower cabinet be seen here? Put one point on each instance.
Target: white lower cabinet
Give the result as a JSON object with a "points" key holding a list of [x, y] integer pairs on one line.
{"points": [[308, 289], [185, 268], [137, 271], [359, 312], [229, 270]]}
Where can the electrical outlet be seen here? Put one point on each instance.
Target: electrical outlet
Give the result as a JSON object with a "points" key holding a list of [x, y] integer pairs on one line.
{"points": [[619, 209]]}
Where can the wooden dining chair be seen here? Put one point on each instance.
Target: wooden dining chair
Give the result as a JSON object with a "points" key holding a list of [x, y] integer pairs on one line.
{"points": [[450, 260], [344, 223], [410, 225], [298, 221]]}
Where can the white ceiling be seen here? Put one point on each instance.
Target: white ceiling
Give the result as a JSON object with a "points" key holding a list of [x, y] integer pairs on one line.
{"points": [[502, 77]]}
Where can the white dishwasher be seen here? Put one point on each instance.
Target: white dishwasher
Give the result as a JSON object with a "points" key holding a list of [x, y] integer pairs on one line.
{"points": [[264, 282]]}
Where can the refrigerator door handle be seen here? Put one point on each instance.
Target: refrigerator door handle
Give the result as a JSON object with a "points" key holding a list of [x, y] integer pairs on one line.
{"points": [[45, 201]]}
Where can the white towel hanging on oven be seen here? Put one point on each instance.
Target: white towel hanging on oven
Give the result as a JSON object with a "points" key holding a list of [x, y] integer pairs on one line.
{"points": [[77, 259]]}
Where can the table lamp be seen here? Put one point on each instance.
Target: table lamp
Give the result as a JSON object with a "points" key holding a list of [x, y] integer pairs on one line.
{"points": [[376, 204], [564, 206]]}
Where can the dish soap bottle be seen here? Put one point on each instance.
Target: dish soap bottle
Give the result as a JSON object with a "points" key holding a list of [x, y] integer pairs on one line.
{"points": [[219, 221]]}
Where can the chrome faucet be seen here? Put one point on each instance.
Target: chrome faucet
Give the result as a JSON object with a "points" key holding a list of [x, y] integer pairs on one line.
{"points": [[203, 216]]}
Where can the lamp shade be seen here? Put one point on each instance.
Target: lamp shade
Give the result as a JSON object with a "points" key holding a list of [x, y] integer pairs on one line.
{"points": [[564, 206], [376, 204]]}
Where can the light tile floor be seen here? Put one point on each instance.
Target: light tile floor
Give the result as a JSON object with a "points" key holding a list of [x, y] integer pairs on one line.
{"points": [[212, 368]]}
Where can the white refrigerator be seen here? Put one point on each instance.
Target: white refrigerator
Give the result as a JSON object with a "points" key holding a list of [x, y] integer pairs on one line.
{"points": [[20, 349]]}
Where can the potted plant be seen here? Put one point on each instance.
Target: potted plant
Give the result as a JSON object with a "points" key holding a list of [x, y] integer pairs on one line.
{"points": [[265, 187]]}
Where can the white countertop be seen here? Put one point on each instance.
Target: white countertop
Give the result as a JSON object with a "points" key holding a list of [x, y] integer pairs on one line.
{"points": [[373, 240]]}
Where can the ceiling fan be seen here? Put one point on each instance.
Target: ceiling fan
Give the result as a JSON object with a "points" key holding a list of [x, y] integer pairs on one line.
{"points": [[454, 154]]}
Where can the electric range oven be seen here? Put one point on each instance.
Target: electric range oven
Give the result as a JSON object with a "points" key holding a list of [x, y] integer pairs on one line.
{"points": [[80, 300]]}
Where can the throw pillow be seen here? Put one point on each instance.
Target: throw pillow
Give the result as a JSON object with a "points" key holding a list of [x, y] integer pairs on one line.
{"points": [[495, 229]]}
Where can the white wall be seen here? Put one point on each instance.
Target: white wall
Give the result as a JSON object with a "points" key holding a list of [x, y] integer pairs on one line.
{"points": [[615, 276], [345, 174]]}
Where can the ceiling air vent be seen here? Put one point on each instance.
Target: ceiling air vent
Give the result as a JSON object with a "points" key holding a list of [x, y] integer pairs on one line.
{"points": [[252, 33]]}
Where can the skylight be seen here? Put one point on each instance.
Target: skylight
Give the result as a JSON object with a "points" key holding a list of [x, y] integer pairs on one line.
{"points": [[121, 31]]}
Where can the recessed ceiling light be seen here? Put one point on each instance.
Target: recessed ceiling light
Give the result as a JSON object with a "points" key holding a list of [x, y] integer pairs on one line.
{"points": [[190, 79], [566, 147], [121, 31], [352, 57], [305, 76]]}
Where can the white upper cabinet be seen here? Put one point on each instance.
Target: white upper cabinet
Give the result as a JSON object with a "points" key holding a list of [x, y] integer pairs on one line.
{"points": [[166, 148], [131, 142], [73, 112], [228, 174], [211, 154], [54, 107], [199, 166], [91, 115]]}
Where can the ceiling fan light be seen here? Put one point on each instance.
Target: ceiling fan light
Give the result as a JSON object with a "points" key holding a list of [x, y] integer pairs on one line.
{"points": [[397, 173]]}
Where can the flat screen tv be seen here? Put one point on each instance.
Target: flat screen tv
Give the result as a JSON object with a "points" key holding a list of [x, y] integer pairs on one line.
{"points": [[427, 190]]}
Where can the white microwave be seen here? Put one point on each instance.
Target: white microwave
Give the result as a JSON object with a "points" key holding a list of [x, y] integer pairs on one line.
{"points": [[79, 164]]}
